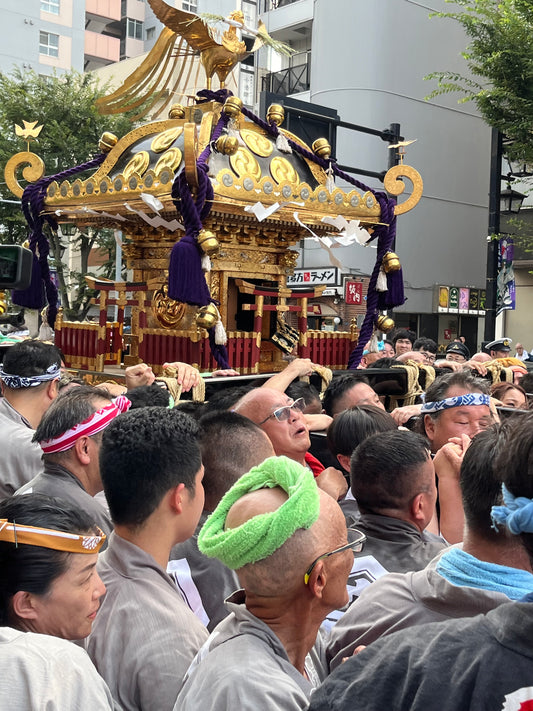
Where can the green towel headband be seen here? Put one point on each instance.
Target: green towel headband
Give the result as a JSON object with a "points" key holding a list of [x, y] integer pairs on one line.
{"points": [[259, 537]]}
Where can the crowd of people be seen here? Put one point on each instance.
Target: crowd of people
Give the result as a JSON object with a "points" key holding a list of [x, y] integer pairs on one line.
{"points": [[210, 556]]}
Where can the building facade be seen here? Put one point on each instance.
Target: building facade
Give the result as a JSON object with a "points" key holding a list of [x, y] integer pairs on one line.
{"points": [[368, 60]]}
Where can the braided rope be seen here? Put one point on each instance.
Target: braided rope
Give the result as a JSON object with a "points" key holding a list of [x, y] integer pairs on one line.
{"points": [[32, 203]]}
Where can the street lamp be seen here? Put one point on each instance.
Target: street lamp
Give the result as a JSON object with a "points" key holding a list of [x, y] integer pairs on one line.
{"points": [[511, 200]]}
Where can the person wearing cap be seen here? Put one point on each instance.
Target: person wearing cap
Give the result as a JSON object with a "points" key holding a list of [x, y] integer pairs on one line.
{"points": [[457, 352], [145, 635], [499, 348], [29, 375], [50, 593], [69, 435], [287, 541]]}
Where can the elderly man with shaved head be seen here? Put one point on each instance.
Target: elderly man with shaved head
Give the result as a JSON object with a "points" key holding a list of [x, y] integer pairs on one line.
{"points": [[288, 543], [282, 419]]}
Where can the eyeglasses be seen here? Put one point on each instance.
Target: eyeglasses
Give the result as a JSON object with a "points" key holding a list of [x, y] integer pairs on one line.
{"points": [[356, 544], [430, 357], [283, 413]]}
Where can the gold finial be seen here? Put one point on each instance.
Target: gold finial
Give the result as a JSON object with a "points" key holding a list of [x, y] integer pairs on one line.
{"points": [[322, 148], [384, 323], [207, 316], [391, 263], [401, 148], [107, 142], [208, 243], [227, 145], [176, 111], [232, 106], [29, 132], [275, 114]]}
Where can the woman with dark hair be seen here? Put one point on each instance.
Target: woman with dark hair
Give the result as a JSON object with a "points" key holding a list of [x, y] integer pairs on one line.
{"points": [[346, 432], [48, 553], [49, 589]]}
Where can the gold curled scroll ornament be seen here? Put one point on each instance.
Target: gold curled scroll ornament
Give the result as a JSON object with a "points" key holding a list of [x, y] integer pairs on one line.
{"points": [[166, 310], [32, 172], [394, 185], [190, 145], [166, 139], [138, 164], [171, 159], [282, 171], [245, 164], [256, 142]]}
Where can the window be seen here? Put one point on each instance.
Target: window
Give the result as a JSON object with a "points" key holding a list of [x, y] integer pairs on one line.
{"points": [[189, 5], [135, 29], [51, 6], [48, 44], [150, 33]]}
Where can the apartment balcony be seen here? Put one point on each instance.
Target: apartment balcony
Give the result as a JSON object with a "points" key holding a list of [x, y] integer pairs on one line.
{"points": [[293, 80], [286, 16], [100, 50], [102, 16]]}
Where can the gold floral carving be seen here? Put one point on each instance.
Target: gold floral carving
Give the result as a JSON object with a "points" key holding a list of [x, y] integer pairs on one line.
{"points": [[394, 185], [215, 285], [166, 139], [138, 164], [281, 170], [288, 259], [171, 160], [256, 142], [167, 311], [244, 164], [33, 170]]}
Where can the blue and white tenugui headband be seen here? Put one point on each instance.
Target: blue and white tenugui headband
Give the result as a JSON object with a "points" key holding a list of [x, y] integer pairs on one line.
{"points": [[30, 381], [457, 401]]}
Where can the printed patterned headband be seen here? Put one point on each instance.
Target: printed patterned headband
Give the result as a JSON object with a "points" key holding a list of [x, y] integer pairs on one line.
{"points": [[457, 401]]}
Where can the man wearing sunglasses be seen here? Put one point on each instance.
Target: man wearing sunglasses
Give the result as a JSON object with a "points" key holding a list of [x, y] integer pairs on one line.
{"points": [[282, 419], [288, 543]]}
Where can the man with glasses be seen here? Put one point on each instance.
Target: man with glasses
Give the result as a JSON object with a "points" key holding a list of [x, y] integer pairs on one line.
{"points": [[288, 543], [282, 419]]}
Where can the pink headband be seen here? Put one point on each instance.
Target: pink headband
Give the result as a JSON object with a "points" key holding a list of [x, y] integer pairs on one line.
{"points": [[97, 422]]}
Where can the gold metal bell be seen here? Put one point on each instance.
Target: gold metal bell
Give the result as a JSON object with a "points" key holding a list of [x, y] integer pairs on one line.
{"points": [[208, 243], [228, 145], [176, 111], [107, 141], [207, 316], [391, 263], [321, 148], [275, 114], [232, 106], [384, 323]]}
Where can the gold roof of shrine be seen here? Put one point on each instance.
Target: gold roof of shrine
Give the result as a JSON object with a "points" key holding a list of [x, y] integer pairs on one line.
{"points": [[146, 160]]}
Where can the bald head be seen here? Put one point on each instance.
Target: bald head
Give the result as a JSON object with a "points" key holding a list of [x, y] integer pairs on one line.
{"points": [[282, 573], [289, 436]]}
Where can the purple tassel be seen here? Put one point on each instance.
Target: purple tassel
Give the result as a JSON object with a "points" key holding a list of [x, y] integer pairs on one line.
{"points": [[33, 296], [394, 295], [186, 280], [219, 352]]}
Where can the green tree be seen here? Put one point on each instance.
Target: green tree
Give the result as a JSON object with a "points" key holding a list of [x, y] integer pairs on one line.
{"points": [[499, 57], [65, 106]]}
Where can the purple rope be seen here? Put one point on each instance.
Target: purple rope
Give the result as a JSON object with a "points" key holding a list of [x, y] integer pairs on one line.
{"points": [[32, 204]]}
